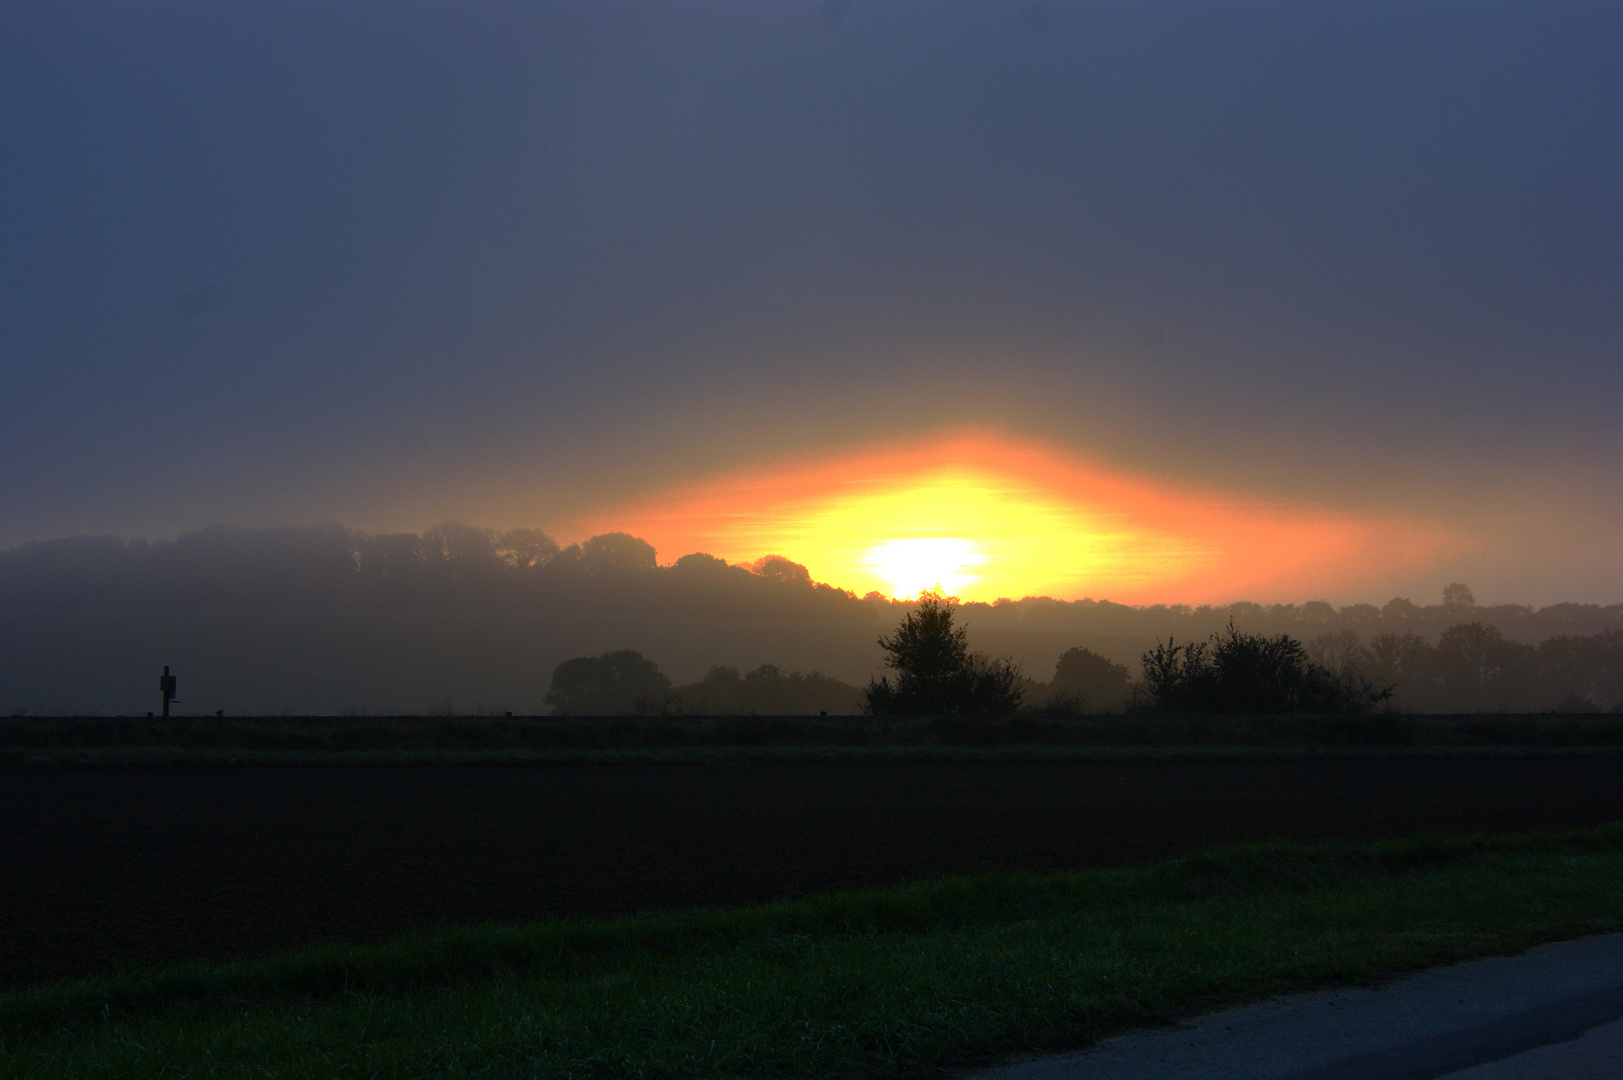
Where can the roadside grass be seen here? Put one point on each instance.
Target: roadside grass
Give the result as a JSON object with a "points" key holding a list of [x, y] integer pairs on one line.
{"points": [[468, 740], [891, 982]]}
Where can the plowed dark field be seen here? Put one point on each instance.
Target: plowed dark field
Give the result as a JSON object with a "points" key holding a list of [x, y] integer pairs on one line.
{"points": [[102, 868]]}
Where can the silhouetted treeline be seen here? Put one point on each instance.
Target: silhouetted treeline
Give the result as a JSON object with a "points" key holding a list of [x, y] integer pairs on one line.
{"points": [[460, 567], [327, 618], [767, 690], [1474, 667], [463, 567], [624, 683], [1302, 621], [451, 566]]}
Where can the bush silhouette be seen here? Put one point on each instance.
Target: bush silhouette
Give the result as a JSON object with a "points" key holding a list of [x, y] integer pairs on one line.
{"points": [[1236, 672], [1085, 681], [619, 683]]}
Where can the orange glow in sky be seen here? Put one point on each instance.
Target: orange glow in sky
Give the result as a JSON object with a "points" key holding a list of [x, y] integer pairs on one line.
{"points": [[986, 516]]}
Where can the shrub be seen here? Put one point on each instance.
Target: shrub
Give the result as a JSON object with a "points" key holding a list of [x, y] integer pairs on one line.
{"points": [[1236, 672]]}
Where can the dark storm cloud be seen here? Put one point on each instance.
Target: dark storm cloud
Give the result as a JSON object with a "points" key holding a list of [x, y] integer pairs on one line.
{"points": [[456, 258]]}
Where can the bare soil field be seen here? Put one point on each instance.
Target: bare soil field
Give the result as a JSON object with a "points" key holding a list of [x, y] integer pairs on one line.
{"points": [[102, 868]]}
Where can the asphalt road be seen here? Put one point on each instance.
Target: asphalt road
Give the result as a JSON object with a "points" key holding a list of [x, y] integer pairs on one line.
{"points": [[1554, 1013]]}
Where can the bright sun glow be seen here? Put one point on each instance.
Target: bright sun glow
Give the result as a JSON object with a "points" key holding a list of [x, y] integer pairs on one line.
{"points": [[985, 516], [912, 566]]}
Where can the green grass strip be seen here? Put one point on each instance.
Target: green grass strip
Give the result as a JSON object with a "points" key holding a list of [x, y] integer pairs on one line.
{"points": [[877, 983]]}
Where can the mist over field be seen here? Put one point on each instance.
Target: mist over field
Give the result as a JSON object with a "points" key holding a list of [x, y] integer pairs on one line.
{"points": [[327, 620]]}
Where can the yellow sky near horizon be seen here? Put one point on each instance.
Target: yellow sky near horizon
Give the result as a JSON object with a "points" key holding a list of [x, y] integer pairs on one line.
{"points": [[987, 516]]}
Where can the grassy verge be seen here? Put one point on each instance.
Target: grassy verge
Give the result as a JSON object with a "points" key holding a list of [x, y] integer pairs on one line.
{"points": [[110, 741], [885, 982]]}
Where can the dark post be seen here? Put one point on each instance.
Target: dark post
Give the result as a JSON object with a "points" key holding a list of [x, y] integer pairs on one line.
{"points": [[166, 685]]}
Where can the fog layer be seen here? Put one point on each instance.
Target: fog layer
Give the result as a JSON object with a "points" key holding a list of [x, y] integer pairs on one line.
{"points": [[326, 619]]}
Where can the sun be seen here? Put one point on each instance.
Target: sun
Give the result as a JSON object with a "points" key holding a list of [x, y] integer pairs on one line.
{"points": [[912, 566], [986, 516]]}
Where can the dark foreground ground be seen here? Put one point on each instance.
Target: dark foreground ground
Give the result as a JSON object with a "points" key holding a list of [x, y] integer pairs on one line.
{"points": [[101, 868]]}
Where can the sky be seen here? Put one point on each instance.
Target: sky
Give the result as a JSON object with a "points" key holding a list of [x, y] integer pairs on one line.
{"points": [[978, 515], [1159, 301]]}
